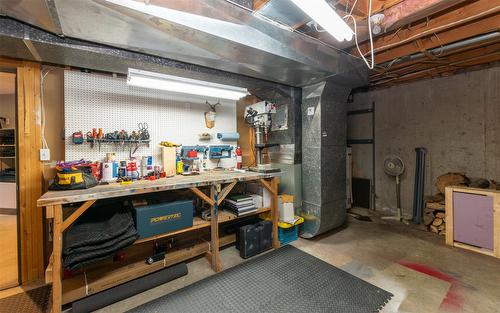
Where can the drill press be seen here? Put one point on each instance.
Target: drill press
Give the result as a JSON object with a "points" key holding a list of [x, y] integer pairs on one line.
{"points": [[258, 116]]}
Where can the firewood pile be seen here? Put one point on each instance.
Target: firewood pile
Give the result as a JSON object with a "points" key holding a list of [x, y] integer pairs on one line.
{"points": [[434, 212]]}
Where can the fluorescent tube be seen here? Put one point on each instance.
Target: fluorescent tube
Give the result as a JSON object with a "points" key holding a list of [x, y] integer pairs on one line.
{"points": [[326, 17], [171, 83]]}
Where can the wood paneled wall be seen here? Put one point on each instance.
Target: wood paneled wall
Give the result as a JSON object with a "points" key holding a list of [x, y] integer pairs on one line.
{"points": [[29, 167]]}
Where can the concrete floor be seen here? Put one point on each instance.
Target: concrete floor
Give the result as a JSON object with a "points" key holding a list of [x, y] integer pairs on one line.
{"points": [[422, 272]]}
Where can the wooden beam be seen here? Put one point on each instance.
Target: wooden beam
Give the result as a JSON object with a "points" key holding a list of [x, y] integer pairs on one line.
{"points": [[72, 218], [258, 4], [446, 61], [48, 270], [435, 59], [410, 11], [362, 5], [269, 187], [214, 231], [275, 210], [473, 29], [472, 58], [57, 260], [202, 195], [442, 23], [359, 9], [29, 168], [225, 192]]}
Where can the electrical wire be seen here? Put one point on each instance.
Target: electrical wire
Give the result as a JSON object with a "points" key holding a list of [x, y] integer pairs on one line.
{"points": [[370, 64], [43, 75]]}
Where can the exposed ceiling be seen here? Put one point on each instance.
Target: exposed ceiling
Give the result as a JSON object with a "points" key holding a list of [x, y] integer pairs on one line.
{"points": [[7, 83], [213, 33], [274, 40], [418, 39]]}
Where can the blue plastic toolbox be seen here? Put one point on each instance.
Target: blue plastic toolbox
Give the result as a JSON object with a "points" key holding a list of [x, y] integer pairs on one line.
{"points": [[151, 220]]}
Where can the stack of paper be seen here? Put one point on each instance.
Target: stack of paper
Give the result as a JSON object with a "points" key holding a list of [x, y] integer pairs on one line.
{"points": [[240, 204]]}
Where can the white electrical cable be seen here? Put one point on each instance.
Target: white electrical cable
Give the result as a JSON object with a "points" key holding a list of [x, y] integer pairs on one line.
{"points": [[370, 64], [44, 141]]}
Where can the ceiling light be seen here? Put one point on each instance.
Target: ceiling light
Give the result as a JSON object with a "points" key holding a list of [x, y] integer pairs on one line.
{"points": [[171, 83], [326, 17]]}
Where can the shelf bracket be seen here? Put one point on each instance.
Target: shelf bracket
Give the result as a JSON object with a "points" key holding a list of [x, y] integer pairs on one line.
{"points": [[225, 192], [200, 194], [72, 218]]}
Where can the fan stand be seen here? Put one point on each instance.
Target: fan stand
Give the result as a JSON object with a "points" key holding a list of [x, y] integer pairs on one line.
{"points": [[399, 217]]}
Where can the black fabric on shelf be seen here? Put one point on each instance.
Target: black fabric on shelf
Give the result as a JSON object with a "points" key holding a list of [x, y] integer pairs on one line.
{"points": [[98, 225], [76, 260], [100, 232]]}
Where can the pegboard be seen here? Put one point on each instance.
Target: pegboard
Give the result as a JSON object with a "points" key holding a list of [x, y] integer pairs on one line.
{"points": [[96, 100]]}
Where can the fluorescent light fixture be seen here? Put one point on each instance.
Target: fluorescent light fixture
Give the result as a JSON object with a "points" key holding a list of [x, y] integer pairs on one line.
{"points": [[177, 84], [326, 17]]}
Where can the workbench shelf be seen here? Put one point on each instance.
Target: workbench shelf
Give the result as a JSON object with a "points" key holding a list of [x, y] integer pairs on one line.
{"points": [[99, 277], [110, 275], [199, 223]]}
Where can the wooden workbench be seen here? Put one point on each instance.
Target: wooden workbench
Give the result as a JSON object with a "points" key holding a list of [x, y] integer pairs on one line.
{"points": [[220, 184]]}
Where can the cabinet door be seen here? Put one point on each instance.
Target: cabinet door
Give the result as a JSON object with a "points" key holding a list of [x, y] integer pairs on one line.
{"points": [[473, 219]]}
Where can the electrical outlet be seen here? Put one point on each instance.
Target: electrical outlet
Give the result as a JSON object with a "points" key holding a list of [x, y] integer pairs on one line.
{"points": [[44, 155]]}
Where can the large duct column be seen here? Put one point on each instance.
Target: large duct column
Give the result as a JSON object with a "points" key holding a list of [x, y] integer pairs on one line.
{"points": [[324, 128]]}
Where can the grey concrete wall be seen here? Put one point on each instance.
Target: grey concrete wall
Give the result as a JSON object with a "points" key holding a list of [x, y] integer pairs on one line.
{"points": [[456, 118]]}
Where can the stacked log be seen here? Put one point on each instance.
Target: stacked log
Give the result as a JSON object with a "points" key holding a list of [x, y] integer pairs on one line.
{"points": [[434, 214]]}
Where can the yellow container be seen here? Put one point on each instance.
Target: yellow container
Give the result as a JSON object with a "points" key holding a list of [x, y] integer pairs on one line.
{"points": [[180, 166]]}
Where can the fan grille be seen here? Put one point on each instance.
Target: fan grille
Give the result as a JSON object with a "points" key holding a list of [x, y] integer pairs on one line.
{"points": [[393, 165]]}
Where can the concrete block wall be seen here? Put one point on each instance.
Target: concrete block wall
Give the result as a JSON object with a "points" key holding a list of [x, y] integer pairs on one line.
{"points": [[456, 118]]}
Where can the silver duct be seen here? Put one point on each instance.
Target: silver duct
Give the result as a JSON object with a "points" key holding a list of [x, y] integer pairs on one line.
{"points": [[324, 131]]}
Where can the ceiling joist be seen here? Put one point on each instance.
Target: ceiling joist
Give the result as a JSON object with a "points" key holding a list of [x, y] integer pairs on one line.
{"points": [[434, 40]]}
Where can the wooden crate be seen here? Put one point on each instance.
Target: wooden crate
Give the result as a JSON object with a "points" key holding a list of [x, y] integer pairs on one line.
{"points": [[450, 227]]}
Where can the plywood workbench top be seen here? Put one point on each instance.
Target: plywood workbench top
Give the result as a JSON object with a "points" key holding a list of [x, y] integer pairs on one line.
{"points": [[146, 186]]}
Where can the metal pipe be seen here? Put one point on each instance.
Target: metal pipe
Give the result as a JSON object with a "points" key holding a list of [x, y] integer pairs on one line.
{"points": [[374, 195], [445, 48], [418, 193]]}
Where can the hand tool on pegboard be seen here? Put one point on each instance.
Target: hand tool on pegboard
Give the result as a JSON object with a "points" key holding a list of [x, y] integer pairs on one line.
{"points": [[100, 135], [92, 135]]}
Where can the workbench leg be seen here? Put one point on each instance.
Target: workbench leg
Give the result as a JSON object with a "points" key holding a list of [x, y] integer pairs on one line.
{"points": [[274, 211], [56, 268], [214, 229]]}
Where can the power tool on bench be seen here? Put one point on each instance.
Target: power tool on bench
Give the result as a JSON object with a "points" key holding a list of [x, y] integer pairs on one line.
{"points": [[258, 116]]}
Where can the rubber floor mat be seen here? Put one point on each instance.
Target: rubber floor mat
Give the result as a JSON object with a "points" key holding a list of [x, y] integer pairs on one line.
{"points": [[32, 301], [284, 280]]}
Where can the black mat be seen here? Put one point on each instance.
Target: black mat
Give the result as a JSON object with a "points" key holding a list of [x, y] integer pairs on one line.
{"points": [[284, 280], [32, 301]]}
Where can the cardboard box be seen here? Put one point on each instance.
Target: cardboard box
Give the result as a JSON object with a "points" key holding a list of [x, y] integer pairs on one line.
{"points": [[151, 220], [168, 160]]}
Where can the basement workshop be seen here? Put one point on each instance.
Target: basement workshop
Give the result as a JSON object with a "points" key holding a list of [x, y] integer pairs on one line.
{"points": [[220, 156]]}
